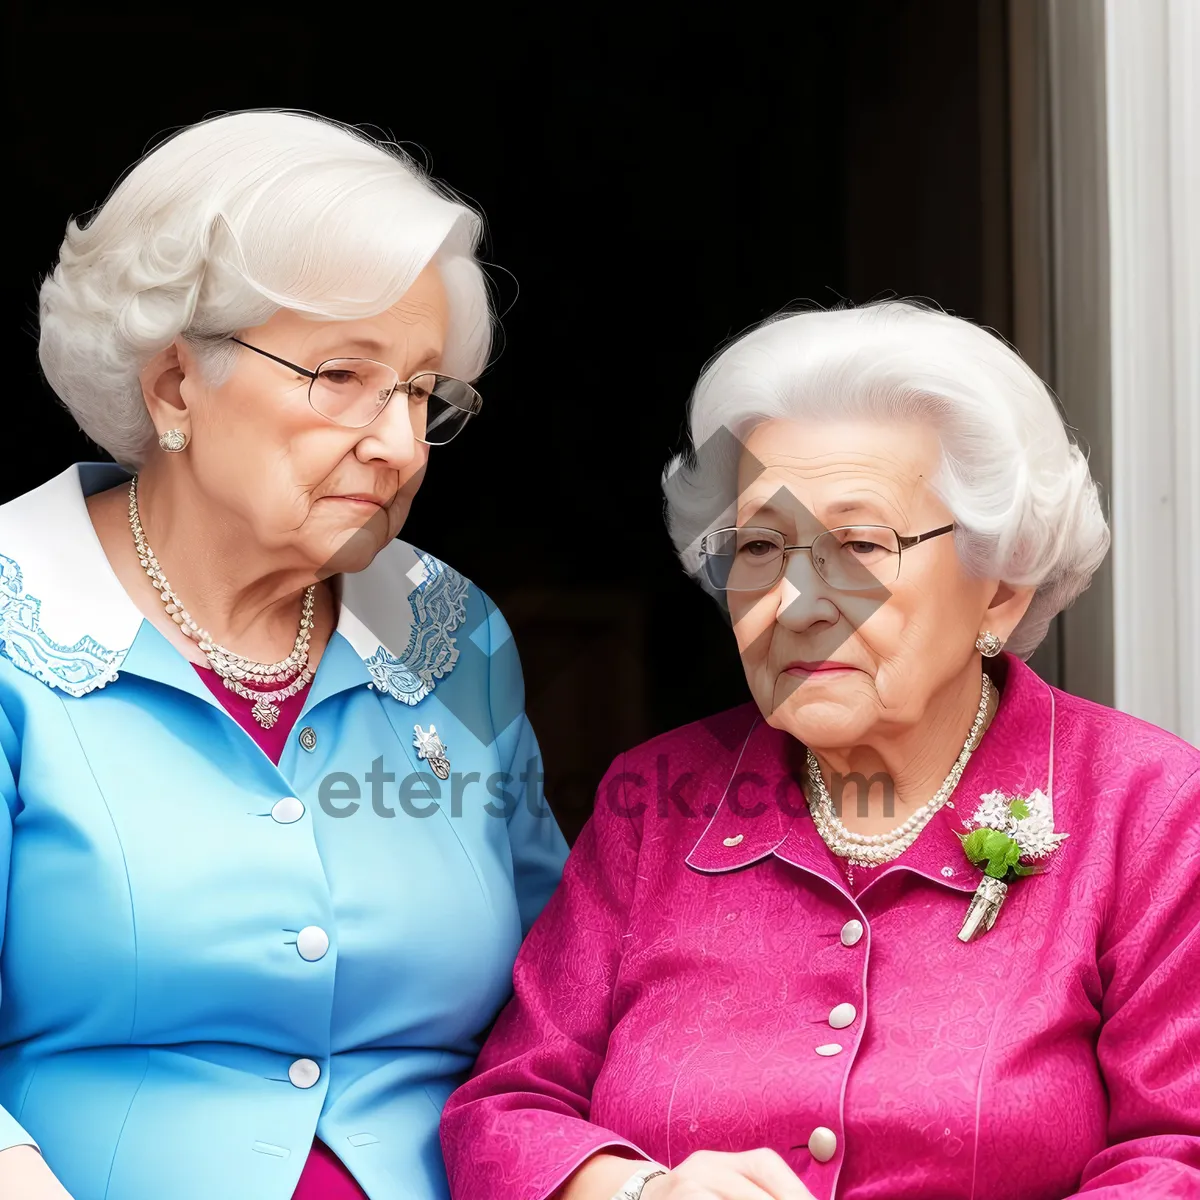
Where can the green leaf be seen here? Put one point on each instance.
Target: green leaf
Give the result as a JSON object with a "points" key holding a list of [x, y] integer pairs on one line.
{"points": [[1000, 852], [998, 845], [1020, 870], [974, 845], [1019, 809]]}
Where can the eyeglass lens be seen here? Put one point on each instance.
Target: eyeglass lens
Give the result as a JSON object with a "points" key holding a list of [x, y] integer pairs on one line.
{"points": [[353, 391], [853, 558]]}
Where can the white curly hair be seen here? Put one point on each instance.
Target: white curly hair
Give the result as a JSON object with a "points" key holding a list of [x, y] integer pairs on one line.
{"points": [[1018, 486], [225, 223]]}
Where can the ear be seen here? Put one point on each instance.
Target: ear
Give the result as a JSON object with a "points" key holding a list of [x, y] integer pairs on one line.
{"points": [[163, 381], [1009, 603]]}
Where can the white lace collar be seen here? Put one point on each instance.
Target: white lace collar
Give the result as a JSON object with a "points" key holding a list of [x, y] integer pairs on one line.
{"points": [[66, 619]]}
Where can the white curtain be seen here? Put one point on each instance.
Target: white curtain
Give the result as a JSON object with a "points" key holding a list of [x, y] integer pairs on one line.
{"points": [[1152, 113]]}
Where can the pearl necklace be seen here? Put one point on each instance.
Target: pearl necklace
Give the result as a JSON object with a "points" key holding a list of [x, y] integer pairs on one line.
{"points": [[869, 850], [232, 668]]}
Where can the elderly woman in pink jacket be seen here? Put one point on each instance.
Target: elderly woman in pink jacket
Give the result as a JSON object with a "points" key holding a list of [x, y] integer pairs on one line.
{"points": [[913, 924]]}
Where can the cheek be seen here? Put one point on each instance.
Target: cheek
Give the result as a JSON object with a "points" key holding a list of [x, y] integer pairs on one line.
{"points": [[247, 406], [917, 637], [413, 475], [753, 626], [270, 478], [251, 436]]}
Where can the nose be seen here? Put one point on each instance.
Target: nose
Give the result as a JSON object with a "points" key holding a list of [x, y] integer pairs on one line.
{"points": [[389, 439], [804, 598]]}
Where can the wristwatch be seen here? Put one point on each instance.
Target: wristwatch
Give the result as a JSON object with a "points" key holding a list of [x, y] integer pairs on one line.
{"points": [[633, 1186]]}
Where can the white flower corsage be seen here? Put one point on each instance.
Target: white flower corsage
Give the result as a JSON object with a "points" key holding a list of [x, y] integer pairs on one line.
{"points": [[1009, 835]]}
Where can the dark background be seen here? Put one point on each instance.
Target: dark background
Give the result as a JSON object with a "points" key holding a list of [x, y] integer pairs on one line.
{"points": [[649, 195]]}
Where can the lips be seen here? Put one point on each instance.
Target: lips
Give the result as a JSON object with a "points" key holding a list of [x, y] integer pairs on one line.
{"points": [[816, 667], [362, 499]]}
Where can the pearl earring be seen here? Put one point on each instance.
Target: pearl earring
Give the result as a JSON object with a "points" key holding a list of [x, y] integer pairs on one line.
{"points": [[988, 644], [173, 441]]}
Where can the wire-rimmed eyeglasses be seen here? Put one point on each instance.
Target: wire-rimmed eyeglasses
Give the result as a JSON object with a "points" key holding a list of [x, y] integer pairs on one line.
{"points": [[354, 391], [850, 558]]}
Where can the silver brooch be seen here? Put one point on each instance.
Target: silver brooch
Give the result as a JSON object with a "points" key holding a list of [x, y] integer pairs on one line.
{"points": [[984, 908], [431, 748]]}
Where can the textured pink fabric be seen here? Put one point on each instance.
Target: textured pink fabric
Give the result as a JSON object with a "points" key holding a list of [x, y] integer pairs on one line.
{"points": [[673, 993], [324, 1176]]}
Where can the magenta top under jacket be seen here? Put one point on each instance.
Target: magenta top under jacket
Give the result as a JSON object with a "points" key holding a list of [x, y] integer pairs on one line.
{"points": [[673, 995]]}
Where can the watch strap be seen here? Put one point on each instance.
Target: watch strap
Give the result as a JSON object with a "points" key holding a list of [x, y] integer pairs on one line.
{"points": [[632, 1190]]}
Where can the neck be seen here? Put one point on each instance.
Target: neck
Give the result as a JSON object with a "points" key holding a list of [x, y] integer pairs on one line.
{"points": [[232, 587], [878, 784]]}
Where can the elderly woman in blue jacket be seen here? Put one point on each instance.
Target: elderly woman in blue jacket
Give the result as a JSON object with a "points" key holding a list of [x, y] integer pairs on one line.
{"points": [[271, 823]]}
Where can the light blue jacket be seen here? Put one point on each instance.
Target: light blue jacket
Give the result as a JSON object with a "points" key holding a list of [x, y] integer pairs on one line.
{"points": [[167, 1031]]}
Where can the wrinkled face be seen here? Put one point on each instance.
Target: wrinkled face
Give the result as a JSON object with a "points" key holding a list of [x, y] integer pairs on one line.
{"points": [[837, 667], [306, 491]]}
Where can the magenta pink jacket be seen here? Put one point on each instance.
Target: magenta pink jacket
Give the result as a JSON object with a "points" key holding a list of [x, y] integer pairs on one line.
{"points": [[674, 993]]}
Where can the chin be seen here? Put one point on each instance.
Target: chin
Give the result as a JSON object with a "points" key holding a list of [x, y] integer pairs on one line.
{"points": [[817, 722], [350, 550]]}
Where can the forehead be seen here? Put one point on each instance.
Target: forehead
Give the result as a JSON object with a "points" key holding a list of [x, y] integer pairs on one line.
{"points": [[416, 323], [845, 466], [425, 302]]}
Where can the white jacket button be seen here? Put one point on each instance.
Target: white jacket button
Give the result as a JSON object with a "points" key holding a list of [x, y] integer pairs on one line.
{"points": [[304, 1072], [842, 1015], [822, 1143], [312, 942], [287, 810]]}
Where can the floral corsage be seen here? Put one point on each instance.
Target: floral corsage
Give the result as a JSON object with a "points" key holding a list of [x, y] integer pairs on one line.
{"points": [[1009, 836]]}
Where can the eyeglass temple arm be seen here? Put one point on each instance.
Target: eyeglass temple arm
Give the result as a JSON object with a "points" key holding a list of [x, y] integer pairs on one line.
{"points": [[475, 408], [283, 362], [906, 542]]}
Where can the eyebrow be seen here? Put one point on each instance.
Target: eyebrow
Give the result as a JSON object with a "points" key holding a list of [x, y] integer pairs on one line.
{"points": [[858, 504], [753, 510], [364, 343], [764, 509], [376, 349]]}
